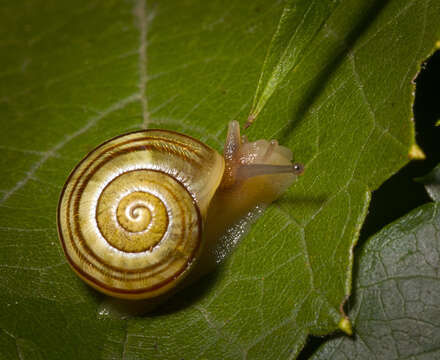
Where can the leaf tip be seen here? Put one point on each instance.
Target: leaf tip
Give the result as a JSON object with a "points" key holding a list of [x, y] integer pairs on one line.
{"points": [[437, 123], [416, 153], [345, 325], [432, 183]]}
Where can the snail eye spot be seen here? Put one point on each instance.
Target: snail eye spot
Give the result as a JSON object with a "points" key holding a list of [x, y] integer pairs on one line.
{"points": [[298, 168]]}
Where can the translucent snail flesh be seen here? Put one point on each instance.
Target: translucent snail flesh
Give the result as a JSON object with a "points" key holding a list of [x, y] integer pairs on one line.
{"points": [[145, 210]]}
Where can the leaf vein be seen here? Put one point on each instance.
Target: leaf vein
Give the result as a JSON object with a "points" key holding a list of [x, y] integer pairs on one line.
{"points": [[52, 152]]}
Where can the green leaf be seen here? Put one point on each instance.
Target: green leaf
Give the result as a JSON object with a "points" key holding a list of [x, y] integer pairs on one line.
{"points": [[74, 74], [395, 307], [289, 44]]}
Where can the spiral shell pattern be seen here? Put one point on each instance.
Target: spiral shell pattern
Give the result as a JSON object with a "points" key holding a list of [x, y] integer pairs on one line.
{"points": [[130, 215]]}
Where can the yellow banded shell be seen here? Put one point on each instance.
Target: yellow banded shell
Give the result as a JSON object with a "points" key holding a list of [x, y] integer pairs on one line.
{"points": [[131, 213]]}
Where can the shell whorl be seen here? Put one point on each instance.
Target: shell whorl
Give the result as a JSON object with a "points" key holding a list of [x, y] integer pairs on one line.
{"points": [[130, 215]]}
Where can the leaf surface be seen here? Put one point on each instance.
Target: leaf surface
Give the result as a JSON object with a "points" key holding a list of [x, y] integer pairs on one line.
{"points": [[75, 74], [288, 44], [395, 307]]}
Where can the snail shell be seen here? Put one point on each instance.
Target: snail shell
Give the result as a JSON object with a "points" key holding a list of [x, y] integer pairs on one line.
{"points": [[133, 215]]}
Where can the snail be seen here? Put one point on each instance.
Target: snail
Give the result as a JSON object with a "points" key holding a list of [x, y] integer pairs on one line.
{"points": [[143, 213]]}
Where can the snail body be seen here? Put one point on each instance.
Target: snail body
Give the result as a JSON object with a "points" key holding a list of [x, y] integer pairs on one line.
{"points": [[143, 213]]}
